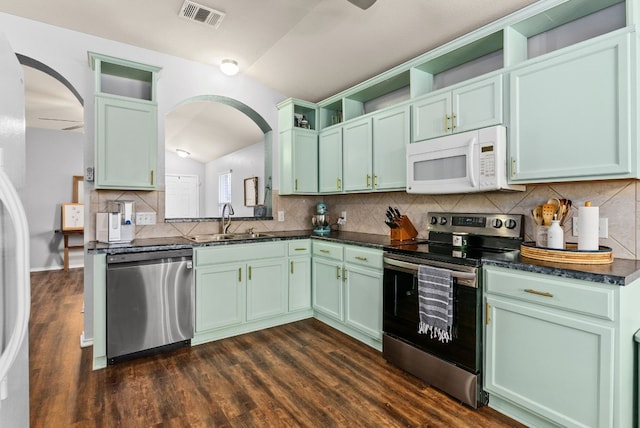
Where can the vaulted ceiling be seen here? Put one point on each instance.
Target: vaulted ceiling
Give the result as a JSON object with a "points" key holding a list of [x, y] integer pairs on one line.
{"points": [[308, 49]]}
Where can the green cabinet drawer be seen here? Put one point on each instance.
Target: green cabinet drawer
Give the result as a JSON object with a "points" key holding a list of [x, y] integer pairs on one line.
{"points": [[327, 250], [566, 294], [300, 248], [363, 257], [238, 252]]}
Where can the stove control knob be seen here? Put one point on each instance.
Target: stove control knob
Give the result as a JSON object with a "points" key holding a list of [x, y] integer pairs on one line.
{"points": [[434, 220], [443, 220], [497, 223], [511, 224]]}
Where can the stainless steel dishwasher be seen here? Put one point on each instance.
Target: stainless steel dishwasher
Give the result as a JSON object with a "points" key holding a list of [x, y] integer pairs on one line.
{"points": [[150, 300]]}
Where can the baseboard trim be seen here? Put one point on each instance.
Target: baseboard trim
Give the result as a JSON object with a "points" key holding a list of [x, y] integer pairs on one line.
{"points": [[84, 342]]}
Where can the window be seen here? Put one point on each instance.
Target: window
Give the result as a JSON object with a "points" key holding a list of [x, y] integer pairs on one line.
{"points": [[224, 190]]}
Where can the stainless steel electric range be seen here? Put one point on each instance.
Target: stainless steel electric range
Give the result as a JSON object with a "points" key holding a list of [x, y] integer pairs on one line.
{"points": [[458, 242]]}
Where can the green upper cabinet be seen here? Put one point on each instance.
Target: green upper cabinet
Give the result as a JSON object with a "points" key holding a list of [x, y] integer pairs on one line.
{"points": [[391, 134], [461, 108], [126, 123], [298, 161], [571, 113], [330, 160], [357, 153], [126, 143], [298, 140]]}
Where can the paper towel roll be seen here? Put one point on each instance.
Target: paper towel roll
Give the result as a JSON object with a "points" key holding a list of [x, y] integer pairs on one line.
{"points": [[588, 227]]}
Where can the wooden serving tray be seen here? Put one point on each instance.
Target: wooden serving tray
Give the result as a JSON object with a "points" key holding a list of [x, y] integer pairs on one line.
{"points": [[570, 254]]}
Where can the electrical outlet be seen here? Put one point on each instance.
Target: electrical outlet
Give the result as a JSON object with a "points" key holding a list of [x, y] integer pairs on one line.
{"points": [[603, 228], [145, 218], [280, 215], [344, 216]]}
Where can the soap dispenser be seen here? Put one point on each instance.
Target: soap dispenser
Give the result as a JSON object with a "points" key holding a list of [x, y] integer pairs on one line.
{"points": [[555, 234]]}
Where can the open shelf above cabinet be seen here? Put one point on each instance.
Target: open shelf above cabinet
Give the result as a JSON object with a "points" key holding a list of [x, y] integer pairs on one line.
{"points": [[115, 76], [541, 28]]}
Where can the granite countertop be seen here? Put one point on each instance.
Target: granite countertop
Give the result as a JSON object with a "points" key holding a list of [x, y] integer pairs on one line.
{"points": [[620, 272]]}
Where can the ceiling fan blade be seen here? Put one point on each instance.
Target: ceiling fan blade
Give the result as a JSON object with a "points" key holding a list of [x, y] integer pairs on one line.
{"points": [[59, 120], [73, 128], [362, 4]]}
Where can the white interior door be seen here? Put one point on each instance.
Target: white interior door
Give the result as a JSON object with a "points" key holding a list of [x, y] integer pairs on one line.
{"points": [[182, 196]]}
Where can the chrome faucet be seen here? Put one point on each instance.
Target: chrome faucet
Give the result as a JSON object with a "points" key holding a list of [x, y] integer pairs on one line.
{"points": [[226, 222]]}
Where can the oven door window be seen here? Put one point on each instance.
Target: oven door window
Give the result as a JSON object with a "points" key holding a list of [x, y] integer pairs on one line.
{"points": [[400, 319]]}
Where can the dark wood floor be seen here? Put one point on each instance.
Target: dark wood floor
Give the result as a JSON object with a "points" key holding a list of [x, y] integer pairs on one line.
{"points": [[300, 374]]}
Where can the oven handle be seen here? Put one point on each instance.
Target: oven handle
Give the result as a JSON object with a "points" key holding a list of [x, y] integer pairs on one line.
{"points": [[467, 277]]}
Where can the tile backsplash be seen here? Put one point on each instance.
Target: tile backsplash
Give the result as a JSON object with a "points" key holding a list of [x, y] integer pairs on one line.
{"points": [[619, 202]]}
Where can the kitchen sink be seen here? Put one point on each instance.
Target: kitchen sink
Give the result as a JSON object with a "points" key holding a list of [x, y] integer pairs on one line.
{"points": [[213, 237]]}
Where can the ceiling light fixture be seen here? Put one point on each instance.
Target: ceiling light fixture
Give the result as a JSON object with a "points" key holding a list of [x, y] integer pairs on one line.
{"points": [[229, 67], [183, 153]]}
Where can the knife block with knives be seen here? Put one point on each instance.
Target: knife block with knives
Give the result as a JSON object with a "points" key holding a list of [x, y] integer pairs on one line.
{"points": [[405, 230], [401, 227]]}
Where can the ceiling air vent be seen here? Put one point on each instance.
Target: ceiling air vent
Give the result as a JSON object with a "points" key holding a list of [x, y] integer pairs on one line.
{"points": [[205, 15]]}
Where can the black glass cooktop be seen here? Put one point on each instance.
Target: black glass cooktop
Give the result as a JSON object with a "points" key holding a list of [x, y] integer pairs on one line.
{"points": [[448, 253]]}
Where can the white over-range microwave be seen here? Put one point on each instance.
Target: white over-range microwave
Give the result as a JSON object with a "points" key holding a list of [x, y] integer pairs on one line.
{"points": [[474, 161]]}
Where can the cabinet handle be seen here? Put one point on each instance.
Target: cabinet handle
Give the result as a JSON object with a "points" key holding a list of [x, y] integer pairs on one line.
{"points": [[249, 273], [296, 185], [291, 266], [324, 251], [338, 183], [539, 293], [375, 181], [337, 272], [453, 121], [362, 259], [239, 274], [446, 123], [368, 180], [344, 274], [153, 177], [488, 314], [513, 166], [301, 249]]}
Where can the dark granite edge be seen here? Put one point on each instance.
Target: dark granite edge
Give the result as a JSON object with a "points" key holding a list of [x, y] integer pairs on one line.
{"points": [[621, 272], [212, 219]]}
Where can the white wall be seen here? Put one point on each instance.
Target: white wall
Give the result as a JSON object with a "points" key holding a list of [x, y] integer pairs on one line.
{"points": [[244, 163], [53, 158]]}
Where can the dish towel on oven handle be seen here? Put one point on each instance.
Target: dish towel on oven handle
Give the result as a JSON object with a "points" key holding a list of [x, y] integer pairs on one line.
{"points": [[435, 302]]}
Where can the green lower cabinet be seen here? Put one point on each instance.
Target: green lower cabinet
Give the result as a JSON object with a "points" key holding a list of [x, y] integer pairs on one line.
{"points": [[328, 296], [299, 283], [266, 289], [220, 296], [347, 289], [247, 287], [363, 300], [572, 114], [559, 352]]}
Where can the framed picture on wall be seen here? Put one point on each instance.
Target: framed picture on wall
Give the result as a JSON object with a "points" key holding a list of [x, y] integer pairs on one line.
{"points": [[251, 191], [72, 217]]}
